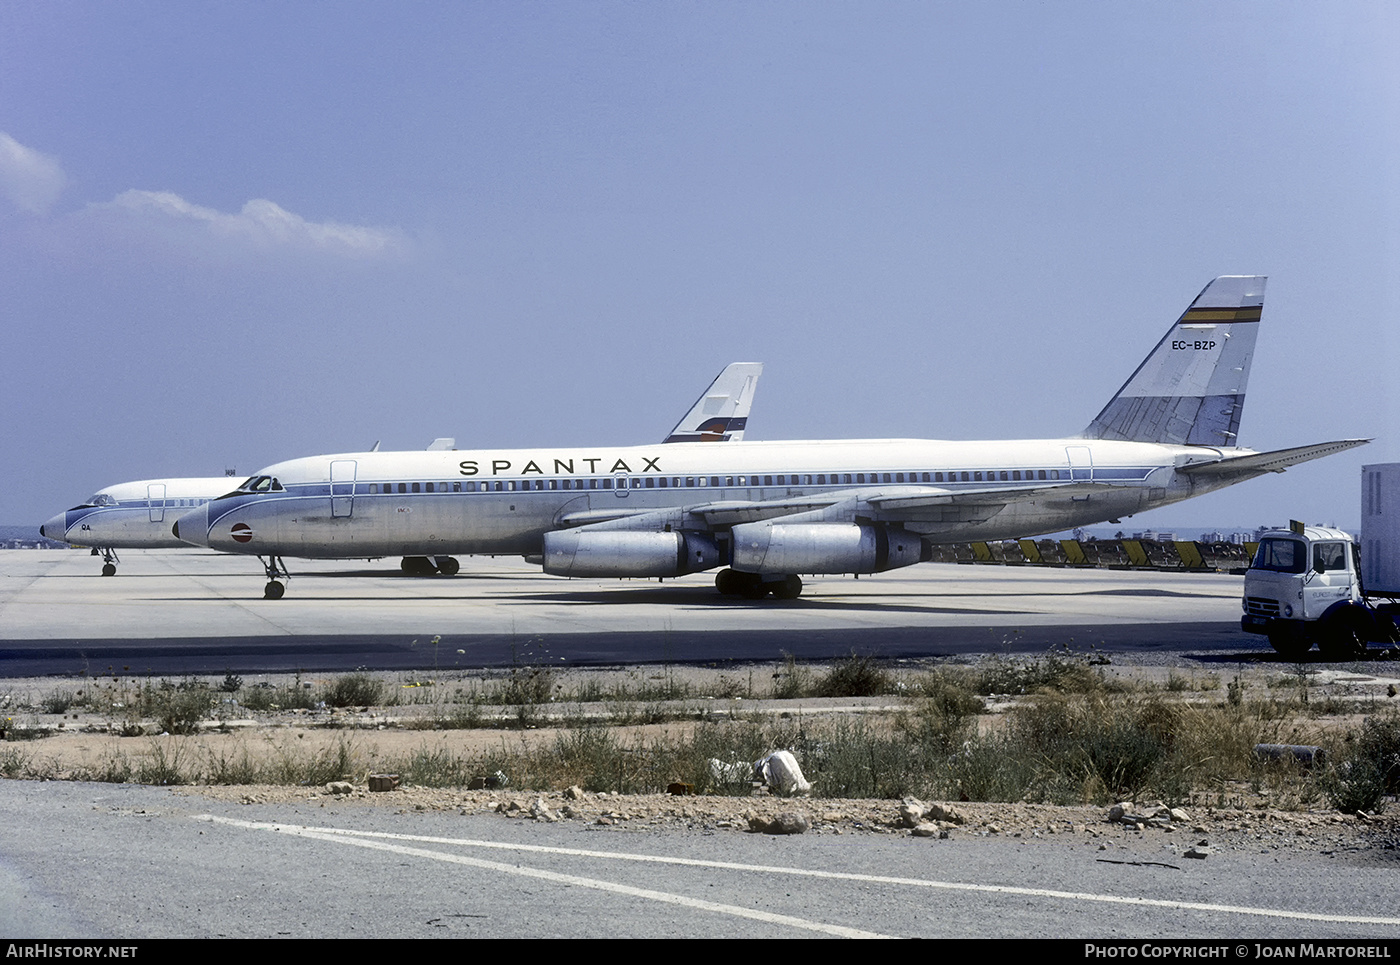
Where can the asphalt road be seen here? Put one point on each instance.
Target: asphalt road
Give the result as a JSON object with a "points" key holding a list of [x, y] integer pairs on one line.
{"points": [[125, 862], [178, 612]]}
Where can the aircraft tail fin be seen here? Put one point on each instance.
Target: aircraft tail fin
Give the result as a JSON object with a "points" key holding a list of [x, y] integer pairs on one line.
{"points": [[722, 411], [1190, 389]]}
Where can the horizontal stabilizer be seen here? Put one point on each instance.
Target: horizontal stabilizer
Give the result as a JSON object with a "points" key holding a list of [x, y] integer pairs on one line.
{"points": [[1257, 463]]}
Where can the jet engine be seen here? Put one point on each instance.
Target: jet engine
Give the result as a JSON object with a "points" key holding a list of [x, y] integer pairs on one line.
{"points": [[580, 552], [822, 548]]}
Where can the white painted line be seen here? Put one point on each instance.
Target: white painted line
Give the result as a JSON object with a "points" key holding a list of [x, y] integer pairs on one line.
{"points": [[342, 836], [838, 875]]}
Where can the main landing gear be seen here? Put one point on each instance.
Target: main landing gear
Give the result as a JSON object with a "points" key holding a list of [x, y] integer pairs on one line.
{"points": [[752, 586], [275, 568], [428, 565]]}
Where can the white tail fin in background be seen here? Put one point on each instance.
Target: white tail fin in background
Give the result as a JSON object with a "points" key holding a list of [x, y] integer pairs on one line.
{"points": [[722, 411]]}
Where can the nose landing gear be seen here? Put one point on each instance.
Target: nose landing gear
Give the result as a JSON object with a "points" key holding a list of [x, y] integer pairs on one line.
{"points": [[109, 560], [275, 568]]}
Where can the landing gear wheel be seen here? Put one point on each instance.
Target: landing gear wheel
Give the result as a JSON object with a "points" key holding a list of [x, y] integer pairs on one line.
{"points": [[756, 590], [276, 571], [728, 583], [790, 588], [109, 570], [448, 566], [1289, 645], [417, 566]]}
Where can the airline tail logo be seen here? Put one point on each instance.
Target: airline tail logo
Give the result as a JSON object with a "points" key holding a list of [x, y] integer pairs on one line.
{"points": [[711, 430]]}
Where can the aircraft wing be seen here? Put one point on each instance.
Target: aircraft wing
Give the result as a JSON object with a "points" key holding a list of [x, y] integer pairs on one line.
{"points": [[1258, 463], [903, 504]]}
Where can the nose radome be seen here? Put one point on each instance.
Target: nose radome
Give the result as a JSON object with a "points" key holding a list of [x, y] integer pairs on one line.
{"points": [[190, 528], [56, 528]]}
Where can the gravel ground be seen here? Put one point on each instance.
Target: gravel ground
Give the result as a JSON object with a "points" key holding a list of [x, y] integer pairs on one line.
{"points": [[80, 739]]}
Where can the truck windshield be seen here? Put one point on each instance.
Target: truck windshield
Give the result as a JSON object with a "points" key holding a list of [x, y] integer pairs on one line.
{"points": [[1281, 555]]}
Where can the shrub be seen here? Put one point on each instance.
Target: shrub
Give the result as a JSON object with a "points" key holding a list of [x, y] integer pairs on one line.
{"points": [[354, 690], [856, 676]]}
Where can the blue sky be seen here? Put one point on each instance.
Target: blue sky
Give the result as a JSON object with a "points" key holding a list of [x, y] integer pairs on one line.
{"points": [[234, 233]]}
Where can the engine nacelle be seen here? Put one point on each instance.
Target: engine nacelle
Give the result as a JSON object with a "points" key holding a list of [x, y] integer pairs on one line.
{"points": [[771, 548], [580, 552]]}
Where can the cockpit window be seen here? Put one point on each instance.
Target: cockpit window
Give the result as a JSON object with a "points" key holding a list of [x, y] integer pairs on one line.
{"points": [[1281, 556], [98, 499], [261, 484]]}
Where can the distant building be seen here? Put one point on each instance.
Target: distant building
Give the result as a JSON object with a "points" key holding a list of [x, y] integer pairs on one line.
{"points": [[1155, 536]]}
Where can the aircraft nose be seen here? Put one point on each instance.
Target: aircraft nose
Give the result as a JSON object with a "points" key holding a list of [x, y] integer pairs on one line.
{"points": [[56, 528], [192, 527]]}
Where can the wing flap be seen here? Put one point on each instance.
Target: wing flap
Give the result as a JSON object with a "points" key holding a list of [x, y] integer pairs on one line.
{"points": [[923, 498]]}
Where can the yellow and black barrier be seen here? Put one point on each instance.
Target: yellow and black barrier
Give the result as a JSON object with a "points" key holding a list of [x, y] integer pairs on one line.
{"points": [[1180, 555]]}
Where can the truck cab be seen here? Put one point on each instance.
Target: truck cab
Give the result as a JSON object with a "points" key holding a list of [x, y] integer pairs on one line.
{"points": [[1304, 587]]}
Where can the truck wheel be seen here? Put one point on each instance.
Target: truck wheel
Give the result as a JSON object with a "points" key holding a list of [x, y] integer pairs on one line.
{"points": [[1343, 639], [1290, 645]]}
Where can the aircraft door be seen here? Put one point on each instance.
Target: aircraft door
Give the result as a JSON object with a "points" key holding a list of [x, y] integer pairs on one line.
{"points": [[342, 487], [155, 501], [620, 484], [1081, 462]]}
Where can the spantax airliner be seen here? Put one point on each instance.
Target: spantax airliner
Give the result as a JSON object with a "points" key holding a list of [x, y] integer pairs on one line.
{"points": [[139, 515], [768, 512]]}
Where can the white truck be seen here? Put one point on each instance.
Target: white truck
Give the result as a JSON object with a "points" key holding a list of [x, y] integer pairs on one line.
{"points": [[1304, 587]]}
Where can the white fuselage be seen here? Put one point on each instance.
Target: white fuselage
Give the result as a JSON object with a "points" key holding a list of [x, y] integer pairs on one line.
{"points": [[504, 501], [135, 515]]}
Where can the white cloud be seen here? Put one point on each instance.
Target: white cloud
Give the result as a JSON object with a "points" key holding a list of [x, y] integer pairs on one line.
{"points": [[261, 222], [31, 180]]}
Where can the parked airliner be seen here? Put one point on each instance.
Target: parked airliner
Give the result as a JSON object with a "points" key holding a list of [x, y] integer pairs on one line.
{"points": [[138, 515], [769, 511], [132, 515]]}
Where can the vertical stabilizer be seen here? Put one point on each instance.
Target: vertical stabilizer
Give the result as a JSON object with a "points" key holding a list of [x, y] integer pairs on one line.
{"points": [[1190, 390], [722, 412]]}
